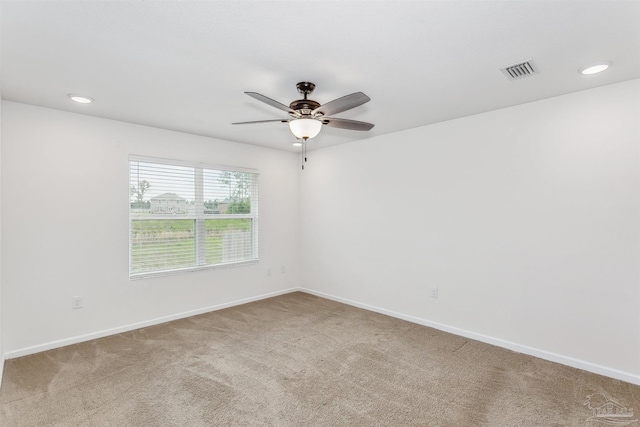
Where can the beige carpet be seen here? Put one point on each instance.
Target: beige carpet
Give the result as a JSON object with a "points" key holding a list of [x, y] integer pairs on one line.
{"points": [[300, 360]]}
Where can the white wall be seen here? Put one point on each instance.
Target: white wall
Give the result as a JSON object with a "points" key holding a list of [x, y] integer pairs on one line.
{"points": [[526, 218], [1, 335], [65, 227]]}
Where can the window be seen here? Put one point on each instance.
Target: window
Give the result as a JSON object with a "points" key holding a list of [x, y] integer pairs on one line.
{"points": [[186, 216]]}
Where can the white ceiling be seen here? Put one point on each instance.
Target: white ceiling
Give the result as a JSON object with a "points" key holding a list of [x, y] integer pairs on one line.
{"points": [[184, 65]]}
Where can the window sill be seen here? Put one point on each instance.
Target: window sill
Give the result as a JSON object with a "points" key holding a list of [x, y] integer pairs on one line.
{"points": [[139, 276]]}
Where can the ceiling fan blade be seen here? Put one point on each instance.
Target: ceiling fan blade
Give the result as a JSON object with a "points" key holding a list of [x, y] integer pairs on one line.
{"points": [[342, 104], [346, 124], [261, 121], [270, 101]]}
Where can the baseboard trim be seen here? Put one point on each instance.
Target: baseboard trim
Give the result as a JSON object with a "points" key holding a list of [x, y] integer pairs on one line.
{"points": [[126, 328], [542, 354], [1, 368]]}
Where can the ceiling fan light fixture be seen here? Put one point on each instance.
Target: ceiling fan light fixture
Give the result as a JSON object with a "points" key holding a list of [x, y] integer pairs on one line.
{"points": [[305, 128]]}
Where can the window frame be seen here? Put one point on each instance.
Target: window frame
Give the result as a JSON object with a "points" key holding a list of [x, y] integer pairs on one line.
{"points": [[199, 217]]}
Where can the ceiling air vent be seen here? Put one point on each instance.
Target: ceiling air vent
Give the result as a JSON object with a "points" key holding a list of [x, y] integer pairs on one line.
{"points": [[520, 70]]}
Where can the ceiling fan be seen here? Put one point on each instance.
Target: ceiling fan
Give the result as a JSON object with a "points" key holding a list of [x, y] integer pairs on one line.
{"points": [[308, 116]]}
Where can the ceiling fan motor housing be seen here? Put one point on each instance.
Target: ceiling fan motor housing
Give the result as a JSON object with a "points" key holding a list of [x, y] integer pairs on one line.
{"points": [[304, 106]]}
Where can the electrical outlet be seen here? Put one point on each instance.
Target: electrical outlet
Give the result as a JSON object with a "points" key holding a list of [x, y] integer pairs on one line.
{"points": [[76, 302], [434, 292], [269, 271], [283, 269]]}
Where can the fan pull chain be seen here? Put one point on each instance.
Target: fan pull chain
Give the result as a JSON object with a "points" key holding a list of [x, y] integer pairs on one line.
{"points": [[304, 152]]}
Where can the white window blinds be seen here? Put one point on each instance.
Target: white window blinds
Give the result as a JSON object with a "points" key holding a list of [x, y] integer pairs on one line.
{"points": [[190, 216]]}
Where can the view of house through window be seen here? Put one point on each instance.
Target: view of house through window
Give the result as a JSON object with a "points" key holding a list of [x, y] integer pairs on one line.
{"points": [[190, 216]]}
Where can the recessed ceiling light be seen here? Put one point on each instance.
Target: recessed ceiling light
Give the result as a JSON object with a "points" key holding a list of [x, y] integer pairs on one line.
{"points": [[595, 67], [82, 99], [297, 144]]}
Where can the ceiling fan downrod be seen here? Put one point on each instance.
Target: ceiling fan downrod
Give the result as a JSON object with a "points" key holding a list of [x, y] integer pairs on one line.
{"points": [[304, 107], [305, 88]]}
